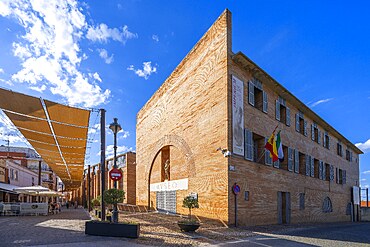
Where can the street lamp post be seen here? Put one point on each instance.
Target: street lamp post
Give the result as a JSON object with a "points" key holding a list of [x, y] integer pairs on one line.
{"points": [[115, 127]]}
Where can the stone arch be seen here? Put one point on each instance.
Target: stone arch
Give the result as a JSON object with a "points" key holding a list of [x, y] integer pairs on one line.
{"points": [[180, 144]]}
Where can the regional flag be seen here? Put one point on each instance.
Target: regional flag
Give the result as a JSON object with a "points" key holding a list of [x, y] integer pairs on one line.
{"points": [[279, 147], [270, 146]]}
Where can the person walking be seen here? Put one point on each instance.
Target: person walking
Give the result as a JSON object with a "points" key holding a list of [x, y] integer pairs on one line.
{"points": [[67, 204]]}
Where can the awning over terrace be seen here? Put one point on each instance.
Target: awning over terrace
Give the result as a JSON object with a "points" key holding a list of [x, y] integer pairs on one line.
{"points": [[57, 132]]}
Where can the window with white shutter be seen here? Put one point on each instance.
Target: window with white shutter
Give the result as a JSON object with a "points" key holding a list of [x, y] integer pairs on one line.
{"points": [[277, 164]]}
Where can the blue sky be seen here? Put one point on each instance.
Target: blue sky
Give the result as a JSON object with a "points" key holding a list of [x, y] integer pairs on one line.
{"points": [[115, 55]]}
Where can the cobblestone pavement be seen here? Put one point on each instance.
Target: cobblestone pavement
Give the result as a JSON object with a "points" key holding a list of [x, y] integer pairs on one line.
{"points": [[63, 229], [67, 229]]}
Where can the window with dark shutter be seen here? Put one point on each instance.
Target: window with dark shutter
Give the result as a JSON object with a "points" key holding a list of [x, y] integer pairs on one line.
{"points": [[277, 110], [296, 161], [308, 165], [312, 167], [265, 102], [248, 135], [320, 169], [256, 96], [251, 93], [305, 128], [297, 125], [323, 171], [344, 176], [290, 159], [337, 175], [326, 140], [339, 149], [331, 172], [287, 122]]}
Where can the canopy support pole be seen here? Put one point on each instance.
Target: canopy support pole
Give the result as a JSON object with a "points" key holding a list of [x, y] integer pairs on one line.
{"points": [[102, 160]]}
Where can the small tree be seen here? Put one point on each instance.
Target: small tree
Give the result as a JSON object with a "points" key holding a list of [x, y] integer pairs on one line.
{"points": [[190, 202], [114, 196], [95, 202]]}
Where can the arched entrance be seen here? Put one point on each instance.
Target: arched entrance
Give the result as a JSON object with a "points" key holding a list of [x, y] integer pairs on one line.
{"points": [[169, 152]]}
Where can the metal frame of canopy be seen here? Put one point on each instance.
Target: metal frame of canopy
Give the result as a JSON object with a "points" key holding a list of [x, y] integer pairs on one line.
{"points": [[57, 132]]}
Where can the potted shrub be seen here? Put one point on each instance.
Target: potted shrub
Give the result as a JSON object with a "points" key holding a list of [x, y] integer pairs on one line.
{"points": [[113, 197], [95, 203], [190, 224], [105, 228]]}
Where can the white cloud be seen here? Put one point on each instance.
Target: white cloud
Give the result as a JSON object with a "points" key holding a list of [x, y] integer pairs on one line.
{"points": [[103, 33], [49, 50], [365, 147], [155, 38], [320, 102], [104, 54], [366, 172], [364, 179], [1, 71], [8, 132], [123, 134], [38, 89], [147, 70], [109, 152]]}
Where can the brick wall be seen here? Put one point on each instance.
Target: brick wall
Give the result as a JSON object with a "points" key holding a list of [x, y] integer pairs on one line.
{"points": [[189, 114]]}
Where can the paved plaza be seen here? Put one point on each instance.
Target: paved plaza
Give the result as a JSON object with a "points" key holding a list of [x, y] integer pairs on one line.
{"points": [[67, 229]]}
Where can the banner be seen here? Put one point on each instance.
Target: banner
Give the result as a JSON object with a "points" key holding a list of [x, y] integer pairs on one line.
{"points": [[238, 116], [181, 184]]}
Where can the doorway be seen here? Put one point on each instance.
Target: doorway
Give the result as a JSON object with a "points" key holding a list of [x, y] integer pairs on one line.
{"points": [[283, 207]]}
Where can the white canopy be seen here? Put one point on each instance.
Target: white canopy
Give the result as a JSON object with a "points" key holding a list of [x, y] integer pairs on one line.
{"points": [[31, 189]]}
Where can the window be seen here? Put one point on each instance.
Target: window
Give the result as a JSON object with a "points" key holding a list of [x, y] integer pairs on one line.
{"points": [[310, 166], [256, 96], [341, 176], [322, 170], [339, 149], [327, 206], [300, 123], [348, 155], [258, 148], [302, 163], [315, 133], [16, 175], [282, 111], [12, 174], [254, 146], [331, 172], [296, 161], [246, 195], [326, 140]]}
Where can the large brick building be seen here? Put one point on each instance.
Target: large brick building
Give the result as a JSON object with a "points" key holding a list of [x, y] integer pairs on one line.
{"points": [[217, 101]]}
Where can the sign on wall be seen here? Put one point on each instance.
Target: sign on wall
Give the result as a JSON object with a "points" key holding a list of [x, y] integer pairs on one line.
{"points": [[238, 116], [356, 195], [181, 184]]}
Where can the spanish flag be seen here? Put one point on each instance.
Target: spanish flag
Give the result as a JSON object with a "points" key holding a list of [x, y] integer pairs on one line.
{"points": [[271, 146]]}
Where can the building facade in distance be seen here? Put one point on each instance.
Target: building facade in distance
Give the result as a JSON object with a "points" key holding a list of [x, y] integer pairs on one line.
{"points": [[205, 128]]}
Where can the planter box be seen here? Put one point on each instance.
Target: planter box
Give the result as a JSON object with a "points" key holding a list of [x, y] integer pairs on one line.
{"points": [[99, 228], [188, 227]]}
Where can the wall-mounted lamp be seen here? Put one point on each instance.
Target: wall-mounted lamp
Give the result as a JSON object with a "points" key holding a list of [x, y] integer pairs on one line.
{"points": [[224, 151]]}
